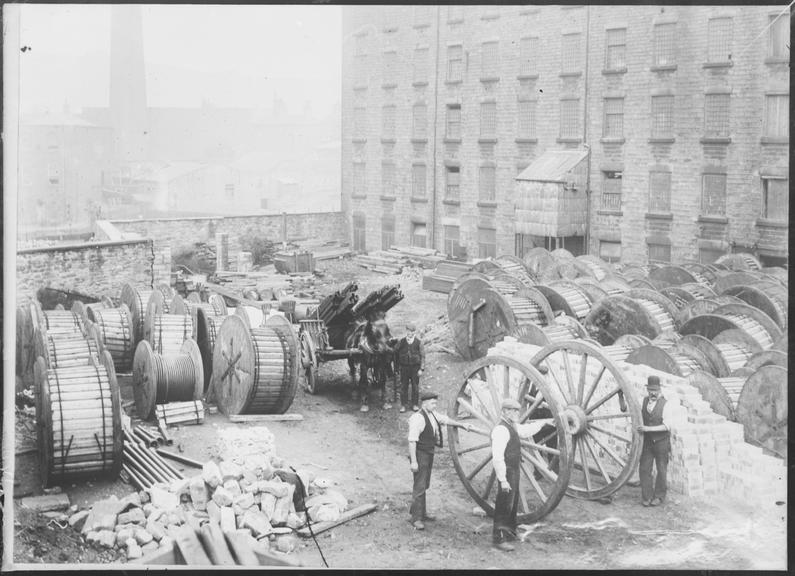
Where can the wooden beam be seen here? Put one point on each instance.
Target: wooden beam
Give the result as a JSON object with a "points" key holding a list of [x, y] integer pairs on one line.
{"points": [[321, 527], [238, 418]]}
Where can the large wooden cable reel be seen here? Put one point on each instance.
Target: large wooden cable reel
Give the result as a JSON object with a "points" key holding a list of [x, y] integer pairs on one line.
{"points": [[670, 276], [762, 409], [714, 392], [567, 297], [726, 280], [624, 345], [618, 315], [545, 469], [164, 331], [78, 421], [739, 261], [530, 306], [705, 306], [478, 316], [756, 323], [112, 327], [593, 288], [768, 298], [136, 299], [536, 260], [563, 328], [61, 350], [702, 273], [207, 326], [308, 360]]}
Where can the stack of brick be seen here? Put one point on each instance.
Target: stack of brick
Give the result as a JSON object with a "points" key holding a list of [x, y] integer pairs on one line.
{"points": [[709, 455]]}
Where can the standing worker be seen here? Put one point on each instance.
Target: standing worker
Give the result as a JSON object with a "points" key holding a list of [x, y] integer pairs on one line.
{"points": [[425, 433], [656, 444], [411, 359], [506, 458]]}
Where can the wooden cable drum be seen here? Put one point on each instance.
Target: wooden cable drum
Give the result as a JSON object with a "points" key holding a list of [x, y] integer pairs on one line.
{"points": [[506, 284], [564, 329], [660, 308], [207, 326], [255, 370], [488, 267], [726, 280], [736, 347], [703, 274], [194, 297], [516, 268], [697, 290], [165, 332], [218, 304], [632, 271], [592, 287], [778, 274], [78, 417], [136, 300], [479, 317], [568, 297], [670, 276], [81, 308], [767, 358], [756, 323], [624, 345], [562, 255], [531, 307], [762, 409], [660, 359], [191, 308], [765, 297], [168, 295], [721, 393], [113, 328], [65, 350], [253, 317], [705, 306], [62, 322], [716, 363], [537, 259], [739, 261], [160, 379], [588, 265], [642, 283], [618, 315]]}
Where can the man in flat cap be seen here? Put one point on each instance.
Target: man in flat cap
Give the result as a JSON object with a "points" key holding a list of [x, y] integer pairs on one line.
{"points": [[506, 458], [410, 359], [656, 444], [425, 434]]}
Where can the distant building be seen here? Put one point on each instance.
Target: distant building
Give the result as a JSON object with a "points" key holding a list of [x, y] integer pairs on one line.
{"points": [[681, 113], [63, 160]]}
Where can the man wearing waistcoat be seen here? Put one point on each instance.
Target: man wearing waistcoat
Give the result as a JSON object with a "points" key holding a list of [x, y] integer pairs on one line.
{"points": [[425, 434], [506, 459], [656, 444], [411, 358]]}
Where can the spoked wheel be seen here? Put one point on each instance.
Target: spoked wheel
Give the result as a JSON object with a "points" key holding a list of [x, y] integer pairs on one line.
{"points": [[602, 413], [308, 362], [545, 467]]}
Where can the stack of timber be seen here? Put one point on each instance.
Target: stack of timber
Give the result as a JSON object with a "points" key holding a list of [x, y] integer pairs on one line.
{"points": [[173, 413], [336, 308], [444, 276], [327, 250], [381, 262], [381, 300]]}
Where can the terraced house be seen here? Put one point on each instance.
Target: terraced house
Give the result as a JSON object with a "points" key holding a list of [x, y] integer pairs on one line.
{"points": [[641, 133]]}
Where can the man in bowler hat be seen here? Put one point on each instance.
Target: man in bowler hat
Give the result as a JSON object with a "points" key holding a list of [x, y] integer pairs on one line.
{"points": [[656, 444]]}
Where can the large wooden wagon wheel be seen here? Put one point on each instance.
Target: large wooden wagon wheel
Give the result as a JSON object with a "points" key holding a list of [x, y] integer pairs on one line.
{"points": [[601, 411], [545, 465], [309, 362]]}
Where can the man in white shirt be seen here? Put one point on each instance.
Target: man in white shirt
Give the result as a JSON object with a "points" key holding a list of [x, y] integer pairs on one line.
{"points": [[506, 458], [425, 433], [656, 444]]}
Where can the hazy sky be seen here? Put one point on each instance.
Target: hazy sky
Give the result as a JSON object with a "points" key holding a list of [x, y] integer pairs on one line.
{"points": [[227, 55]]}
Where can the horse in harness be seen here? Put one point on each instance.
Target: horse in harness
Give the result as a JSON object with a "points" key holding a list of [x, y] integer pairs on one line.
{"points": [[376, 361]]}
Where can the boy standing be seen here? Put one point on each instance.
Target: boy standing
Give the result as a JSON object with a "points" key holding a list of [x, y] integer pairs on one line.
{"points": [[411, 359]]}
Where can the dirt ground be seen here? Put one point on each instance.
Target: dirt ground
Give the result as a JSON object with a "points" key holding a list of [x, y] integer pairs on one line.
{"points": [[365, 455]]}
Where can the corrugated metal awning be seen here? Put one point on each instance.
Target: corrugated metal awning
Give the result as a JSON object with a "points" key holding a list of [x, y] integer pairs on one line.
{"points": [[553, 166]]}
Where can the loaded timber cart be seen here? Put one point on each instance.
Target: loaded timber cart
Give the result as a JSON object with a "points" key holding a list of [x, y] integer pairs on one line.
{"points": [[78, 420], [584, 414]]}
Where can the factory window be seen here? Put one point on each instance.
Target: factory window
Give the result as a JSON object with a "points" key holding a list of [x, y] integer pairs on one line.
{"points": [[665, 44], [358, 179], [387, 231], [229, 192], [455, 14], [777, 116], [453, 183], [420, 121], [418, 180], [488, 119], [453, 122], [610, 251], [570, 118], [455, 63], [526, 118], [528, 52], [778, 37], [713, 194], [716, 115], [419, 235], [420, 65], [719, 33], [359, 232], [487, 243], [388, 178], [489, 59], [616, 48], [659, 192], [660, 253], [360, 122], [662, 116], [388, 121], [775, 199], [487, 183], [614, 118], [390, 67], [570, 53], [360, 70], [611, 191], [452, 246]]}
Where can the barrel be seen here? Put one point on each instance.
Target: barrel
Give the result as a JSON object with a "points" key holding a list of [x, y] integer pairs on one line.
{"points": [[136, 299], [163, 378], [113, 327], [78, 417], [61, 350], [255, 370]]}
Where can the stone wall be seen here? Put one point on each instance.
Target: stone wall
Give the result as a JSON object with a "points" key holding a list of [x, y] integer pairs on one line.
{"points": [[95, 269]]}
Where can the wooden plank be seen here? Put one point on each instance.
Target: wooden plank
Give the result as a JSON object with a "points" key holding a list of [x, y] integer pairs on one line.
{"points": [[239, 418], [46, 503], [190, 547], [166, 556], [215, 545], [274, 559], [242, 543], [321, 527]]}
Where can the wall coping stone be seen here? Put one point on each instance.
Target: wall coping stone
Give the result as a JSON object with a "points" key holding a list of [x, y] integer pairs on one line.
{"points": [[83, 246]]}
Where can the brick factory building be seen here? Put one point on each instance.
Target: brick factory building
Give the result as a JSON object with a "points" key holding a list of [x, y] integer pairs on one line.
{"points": [[684, 110]]}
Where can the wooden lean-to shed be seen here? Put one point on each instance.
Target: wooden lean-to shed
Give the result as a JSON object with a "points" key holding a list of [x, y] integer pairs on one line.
{"points": [[550, 196]]}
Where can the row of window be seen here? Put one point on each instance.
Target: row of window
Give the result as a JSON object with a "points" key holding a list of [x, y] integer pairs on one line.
{"points": [[665, 40], [716, 118], [774, 194], [487, 237], [657, 252]]}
